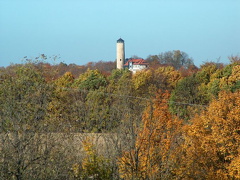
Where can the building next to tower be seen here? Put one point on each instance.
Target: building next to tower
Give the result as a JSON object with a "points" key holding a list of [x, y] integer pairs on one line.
{"points": [[132, 64]]}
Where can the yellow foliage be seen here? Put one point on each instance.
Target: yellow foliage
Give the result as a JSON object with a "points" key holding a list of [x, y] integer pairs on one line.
{"points": [[94, 165], [235, 76], [234, 167], [65, 81], [76, 170], [171, 75], [212, 141], [142, 78], [87, 74]]}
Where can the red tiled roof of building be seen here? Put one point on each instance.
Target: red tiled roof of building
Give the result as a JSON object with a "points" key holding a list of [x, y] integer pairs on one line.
{"points": [[136, 62]]}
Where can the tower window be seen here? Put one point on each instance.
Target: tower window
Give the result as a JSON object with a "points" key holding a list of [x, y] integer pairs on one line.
{"points": [[120, 59]]}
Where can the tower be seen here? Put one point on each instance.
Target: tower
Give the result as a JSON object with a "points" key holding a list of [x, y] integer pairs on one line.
{"points": [[120, 53]]}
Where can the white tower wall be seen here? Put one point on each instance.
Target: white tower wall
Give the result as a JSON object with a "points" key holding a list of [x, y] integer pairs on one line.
{"points": [[120, 53]]}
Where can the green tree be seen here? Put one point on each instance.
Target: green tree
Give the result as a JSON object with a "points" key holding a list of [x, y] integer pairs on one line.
{"points": [[194, 92], [185, 96], [226, 79], [90, 80], [98, 106]]}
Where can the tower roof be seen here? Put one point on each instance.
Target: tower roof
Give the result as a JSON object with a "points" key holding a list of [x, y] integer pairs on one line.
{"points": [[120, 40]]}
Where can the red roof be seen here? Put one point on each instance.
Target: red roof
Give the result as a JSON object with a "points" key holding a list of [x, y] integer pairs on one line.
{"points": [[136, 62]]}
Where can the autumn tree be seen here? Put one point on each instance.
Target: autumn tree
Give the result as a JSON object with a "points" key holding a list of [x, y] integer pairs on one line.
{"points": [[152, 156], [143, 83], [212, 141], [146, 83], [166, 78]]}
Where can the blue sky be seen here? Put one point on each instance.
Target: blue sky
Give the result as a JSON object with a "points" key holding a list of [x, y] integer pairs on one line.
{"points": [[80, 31]]}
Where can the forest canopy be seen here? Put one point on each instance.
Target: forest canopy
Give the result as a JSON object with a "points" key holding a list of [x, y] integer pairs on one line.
{"points": [[172, 121]]}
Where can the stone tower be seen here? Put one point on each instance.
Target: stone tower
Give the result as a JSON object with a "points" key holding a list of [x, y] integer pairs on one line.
{"points": [[120, 53]]}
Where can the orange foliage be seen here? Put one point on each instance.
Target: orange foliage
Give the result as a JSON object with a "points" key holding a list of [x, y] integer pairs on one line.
{"points": [[212, 141], [151, 158]]}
